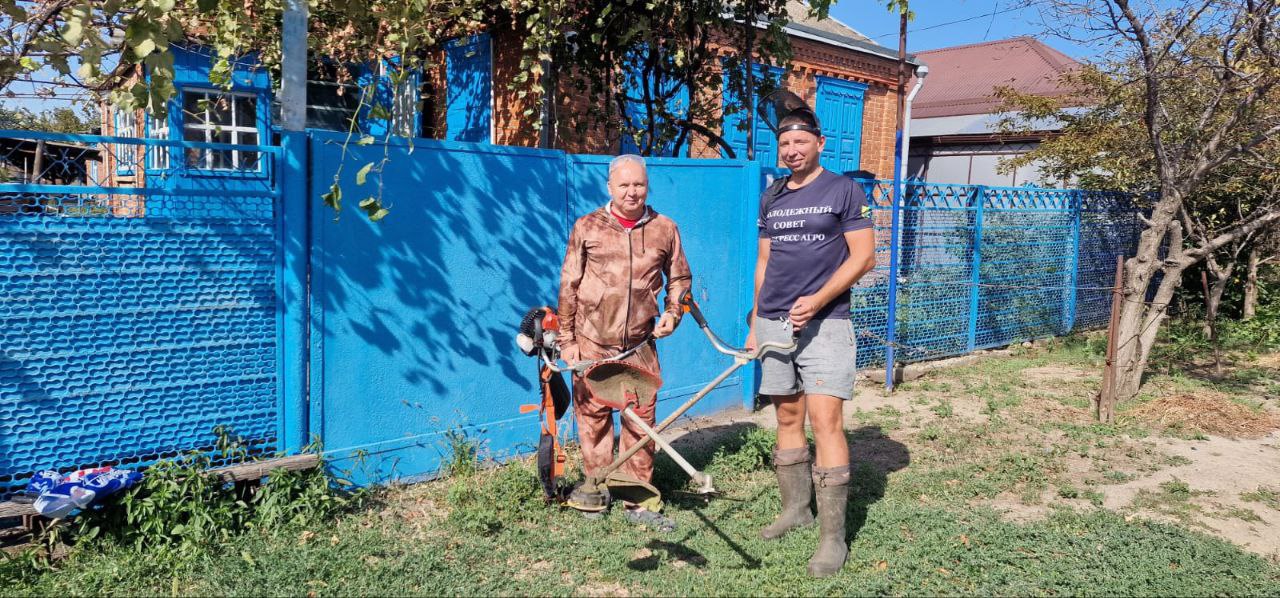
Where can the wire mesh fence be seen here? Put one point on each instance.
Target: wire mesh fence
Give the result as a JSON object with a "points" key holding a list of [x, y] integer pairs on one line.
{"points": [[137, 300], [982, 267]]}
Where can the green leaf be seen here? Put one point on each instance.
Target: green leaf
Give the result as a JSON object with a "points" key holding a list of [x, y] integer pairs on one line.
{"points": [[144, 47], [73, 33], [363, 173], [379, 215], [248, 558], [333, 198], [207, 5], [366, 140]]}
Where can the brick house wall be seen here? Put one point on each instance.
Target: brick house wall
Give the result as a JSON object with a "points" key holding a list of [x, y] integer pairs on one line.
{"points": [[810, 59]]}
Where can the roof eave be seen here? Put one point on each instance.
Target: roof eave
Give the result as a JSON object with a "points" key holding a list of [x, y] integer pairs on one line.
{"points": [[824, 37]]}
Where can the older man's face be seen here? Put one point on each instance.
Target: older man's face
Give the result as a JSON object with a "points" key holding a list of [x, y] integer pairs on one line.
{"points": [[629, 188]]}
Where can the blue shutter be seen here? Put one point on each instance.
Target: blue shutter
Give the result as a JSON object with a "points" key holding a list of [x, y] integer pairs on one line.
{"points": [[391, 108], [840, 111], [734, 131], [469, 66]]}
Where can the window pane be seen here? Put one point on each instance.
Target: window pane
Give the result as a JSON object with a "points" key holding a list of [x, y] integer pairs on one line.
{"points": [[248, 160], [221, 157], [195, 157], [220, 110], [246, 112], [193, 108]]}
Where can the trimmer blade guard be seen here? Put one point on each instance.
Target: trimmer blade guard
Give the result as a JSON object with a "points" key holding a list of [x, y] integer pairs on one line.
{"points": [[619, 384]]}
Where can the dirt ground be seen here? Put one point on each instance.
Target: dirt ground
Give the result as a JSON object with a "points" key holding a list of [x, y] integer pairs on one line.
{"points": [[1158, 463]]}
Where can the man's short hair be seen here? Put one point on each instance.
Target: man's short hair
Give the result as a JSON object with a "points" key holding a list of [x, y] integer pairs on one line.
{"points": [[617, 163]]}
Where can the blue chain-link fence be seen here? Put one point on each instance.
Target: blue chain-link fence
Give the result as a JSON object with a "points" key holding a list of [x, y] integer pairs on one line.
{"points": [[138, 300], [982, 267]]}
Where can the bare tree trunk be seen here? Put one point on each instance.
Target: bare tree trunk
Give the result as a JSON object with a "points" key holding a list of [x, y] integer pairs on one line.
{"points": [[1140, 320], [1213, 292], [1212, 301], [1251, 286]]}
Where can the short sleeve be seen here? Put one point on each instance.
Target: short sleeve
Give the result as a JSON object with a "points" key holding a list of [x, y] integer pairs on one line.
{"points": [[762, 229], [857, 214]]}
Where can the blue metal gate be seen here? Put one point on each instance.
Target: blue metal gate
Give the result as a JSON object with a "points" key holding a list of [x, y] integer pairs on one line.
{"points": [[414, 317]]}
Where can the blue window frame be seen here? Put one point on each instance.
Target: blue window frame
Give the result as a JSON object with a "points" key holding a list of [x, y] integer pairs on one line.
{"points": [[735, 133], [840, 111], [469, 74]]}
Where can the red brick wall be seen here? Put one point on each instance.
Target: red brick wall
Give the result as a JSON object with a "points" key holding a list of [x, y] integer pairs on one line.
{"points": [[579, 132], [510, 125]]}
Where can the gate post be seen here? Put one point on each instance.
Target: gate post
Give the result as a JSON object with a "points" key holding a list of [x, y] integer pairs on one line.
{"points": [[975, 274], [292, 297], [1073, 266], [753, 186]]}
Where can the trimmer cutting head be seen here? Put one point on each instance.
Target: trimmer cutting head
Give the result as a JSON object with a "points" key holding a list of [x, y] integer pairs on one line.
{"points": [[589, 496]]}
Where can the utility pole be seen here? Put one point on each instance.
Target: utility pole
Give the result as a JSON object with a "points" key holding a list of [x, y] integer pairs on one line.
{"points": [[293, 66], [750, 24], [891, 315]]}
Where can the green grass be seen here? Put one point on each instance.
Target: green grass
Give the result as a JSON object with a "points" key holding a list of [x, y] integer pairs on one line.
{"points": [[497, 538], [1267, 496], [924, 519]]}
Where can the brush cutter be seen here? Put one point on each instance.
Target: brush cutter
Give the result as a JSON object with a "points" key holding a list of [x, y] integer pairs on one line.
{"points": [[626, 387], [538, 332]]}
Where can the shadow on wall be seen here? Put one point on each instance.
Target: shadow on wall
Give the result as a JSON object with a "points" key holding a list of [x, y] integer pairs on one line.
{"points": [[414, 317]]}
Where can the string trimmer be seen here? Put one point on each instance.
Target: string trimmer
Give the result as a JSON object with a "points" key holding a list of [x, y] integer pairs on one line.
{"points": [[538, 335], [626, 387]]}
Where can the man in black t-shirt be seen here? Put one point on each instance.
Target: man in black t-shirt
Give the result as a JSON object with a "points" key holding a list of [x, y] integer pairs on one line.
{"points": [[815, 242]]}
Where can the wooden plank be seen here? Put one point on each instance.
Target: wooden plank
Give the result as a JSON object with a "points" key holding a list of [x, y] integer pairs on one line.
{"points": [[235, 473], [13, 509], [259, 469]]}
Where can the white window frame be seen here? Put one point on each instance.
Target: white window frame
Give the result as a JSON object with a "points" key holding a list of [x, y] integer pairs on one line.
{"points": [[235, 128], [158, 157], [125, 124]]}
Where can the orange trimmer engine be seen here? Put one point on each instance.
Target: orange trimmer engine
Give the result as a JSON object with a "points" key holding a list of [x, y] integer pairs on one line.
{"points": [[537, 336]]}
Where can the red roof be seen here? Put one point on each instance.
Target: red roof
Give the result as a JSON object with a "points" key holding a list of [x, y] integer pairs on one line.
{"points": [[962, 79]]}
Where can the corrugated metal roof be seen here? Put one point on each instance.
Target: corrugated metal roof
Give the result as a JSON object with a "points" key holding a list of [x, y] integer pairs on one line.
{"points": [[963, 79]]}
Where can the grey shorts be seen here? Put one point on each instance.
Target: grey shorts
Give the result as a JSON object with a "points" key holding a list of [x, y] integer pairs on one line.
{"points": [[824, 361]]}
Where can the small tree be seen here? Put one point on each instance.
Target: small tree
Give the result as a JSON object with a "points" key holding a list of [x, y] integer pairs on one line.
{"points": [[1189, 98]]}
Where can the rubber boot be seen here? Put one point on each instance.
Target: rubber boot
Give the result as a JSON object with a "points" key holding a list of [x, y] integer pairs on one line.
{"points": [[831, 484], [795, 481]]}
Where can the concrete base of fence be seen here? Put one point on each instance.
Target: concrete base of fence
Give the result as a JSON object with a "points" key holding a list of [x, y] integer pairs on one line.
{"points": [[914, 371]]}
